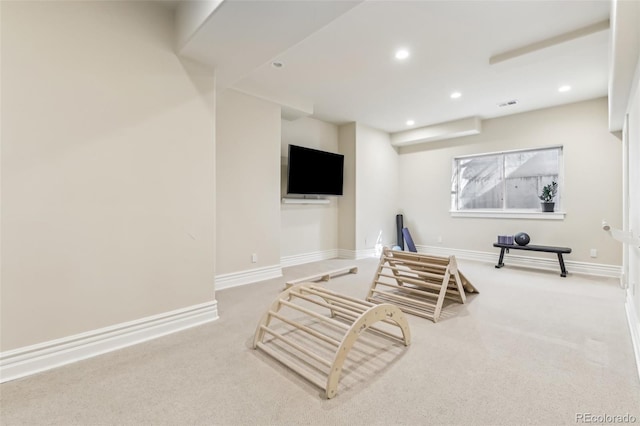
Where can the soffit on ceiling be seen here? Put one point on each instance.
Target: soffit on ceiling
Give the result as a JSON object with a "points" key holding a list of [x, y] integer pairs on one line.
{"points": [[342, 63]]}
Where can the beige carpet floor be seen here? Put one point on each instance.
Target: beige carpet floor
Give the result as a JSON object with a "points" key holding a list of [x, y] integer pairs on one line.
{"points": [[531, 348]]}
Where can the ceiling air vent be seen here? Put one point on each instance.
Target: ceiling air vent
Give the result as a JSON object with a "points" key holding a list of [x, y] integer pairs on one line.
{"points": [[508, 103]]}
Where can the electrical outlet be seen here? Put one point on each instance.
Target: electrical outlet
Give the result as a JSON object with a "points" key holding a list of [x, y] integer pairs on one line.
{"points": [[593, 252], [439, 239], [254, 257]]}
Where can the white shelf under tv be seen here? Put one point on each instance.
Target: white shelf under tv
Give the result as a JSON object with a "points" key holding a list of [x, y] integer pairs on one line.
{"points": [[286, 200]]}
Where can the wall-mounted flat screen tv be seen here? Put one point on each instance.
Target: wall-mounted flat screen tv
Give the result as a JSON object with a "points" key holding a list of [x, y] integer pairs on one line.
{"points": [[314, 172]]}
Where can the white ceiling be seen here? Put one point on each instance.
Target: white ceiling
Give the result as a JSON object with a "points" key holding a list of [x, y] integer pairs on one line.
{"points": [[339, 60]]}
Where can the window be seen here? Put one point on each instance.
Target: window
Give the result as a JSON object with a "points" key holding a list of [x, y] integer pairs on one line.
{"points": [[505, 181]]}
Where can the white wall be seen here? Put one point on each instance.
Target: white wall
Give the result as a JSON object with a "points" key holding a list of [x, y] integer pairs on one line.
{"points": [[108, 168], [591, 192], [347, 203], [370, 200], [248, 182], [633, 252], [377, 178], [310, 229]]}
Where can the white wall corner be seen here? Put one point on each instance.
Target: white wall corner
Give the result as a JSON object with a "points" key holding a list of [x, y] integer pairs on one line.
{"points": [[624, 53], [189, 18], [634, 327], [301, 259], [33, 359], [356, 254], [291, 107], [235, 279], [292, 113], [365, 253], [346, 254]]}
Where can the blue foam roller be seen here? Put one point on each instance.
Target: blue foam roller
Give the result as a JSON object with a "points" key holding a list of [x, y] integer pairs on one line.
{"points": [[409, 240]]}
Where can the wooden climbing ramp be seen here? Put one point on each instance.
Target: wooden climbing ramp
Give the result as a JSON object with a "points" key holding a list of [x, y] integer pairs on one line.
{"points": [[418, 283], [311, 330], [324, 276]]}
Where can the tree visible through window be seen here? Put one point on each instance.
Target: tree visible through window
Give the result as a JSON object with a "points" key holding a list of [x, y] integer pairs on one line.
{"points": [[504, 181]]}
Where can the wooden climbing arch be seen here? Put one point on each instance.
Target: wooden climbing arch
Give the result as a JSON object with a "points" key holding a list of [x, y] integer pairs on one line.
{"points": [[299, 320]]}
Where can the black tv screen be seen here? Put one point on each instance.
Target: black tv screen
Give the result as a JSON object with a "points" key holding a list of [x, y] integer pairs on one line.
{"points": [[314, 172]]}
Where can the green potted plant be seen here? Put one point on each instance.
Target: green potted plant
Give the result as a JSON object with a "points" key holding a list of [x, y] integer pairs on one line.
{"points": [[548, 194]]}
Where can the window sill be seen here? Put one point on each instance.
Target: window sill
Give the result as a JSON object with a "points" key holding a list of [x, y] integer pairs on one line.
{"points": [[500, 214]]}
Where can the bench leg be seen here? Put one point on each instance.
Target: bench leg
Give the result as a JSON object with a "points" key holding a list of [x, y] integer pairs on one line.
{"points": [[562, 268], [500, 264]]}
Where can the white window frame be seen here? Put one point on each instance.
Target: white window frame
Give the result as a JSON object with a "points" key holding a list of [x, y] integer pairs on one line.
{"points": [[507, 213]]}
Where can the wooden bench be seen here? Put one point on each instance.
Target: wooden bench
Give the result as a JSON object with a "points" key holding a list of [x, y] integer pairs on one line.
{"points": [[547, 249]]}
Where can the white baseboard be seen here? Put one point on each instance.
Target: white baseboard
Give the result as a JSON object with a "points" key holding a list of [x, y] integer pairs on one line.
{"points": [[235, 279], [347, 254], [550, 264], [300, 259], [33, 359], [634, 327], [356, 254]]}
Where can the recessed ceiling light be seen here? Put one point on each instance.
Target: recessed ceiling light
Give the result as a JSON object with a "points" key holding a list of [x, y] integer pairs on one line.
{"points": [[402, 54], [277, 64], [508, 103], [410, 122], [456, 95], [564, 88]]}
